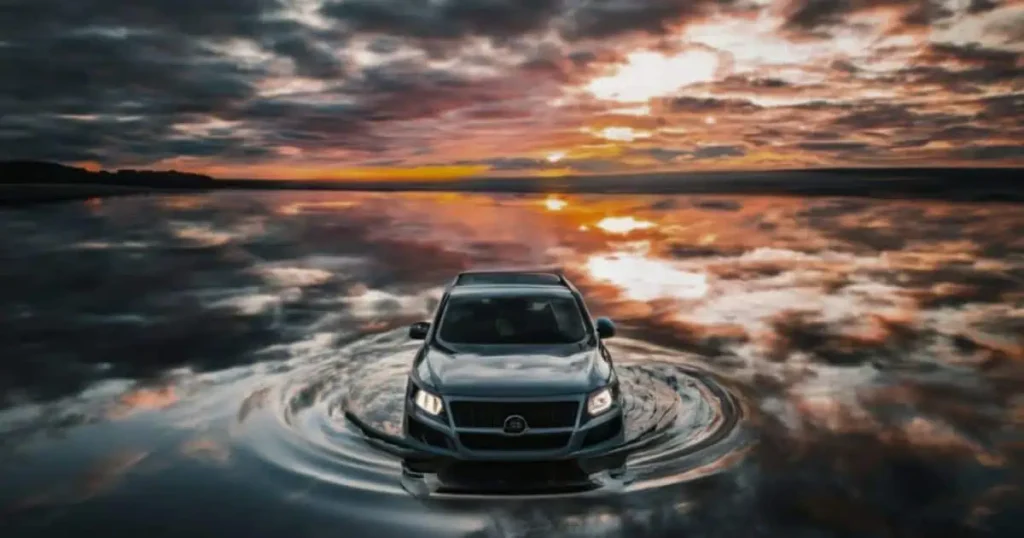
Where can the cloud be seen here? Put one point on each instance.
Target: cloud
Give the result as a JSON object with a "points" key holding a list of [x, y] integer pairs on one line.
{"points": [[517, 164], [452, 20], [817, 16], [993, 152], [603, 19], [982, 6], [834, 146], [714, 152], [695, 105], [295, 89], [963, 68]]}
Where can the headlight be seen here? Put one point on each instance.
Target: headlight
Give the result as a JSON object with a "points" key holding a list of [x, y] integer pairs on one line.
{"points": [[600, 401], [428, 402]]}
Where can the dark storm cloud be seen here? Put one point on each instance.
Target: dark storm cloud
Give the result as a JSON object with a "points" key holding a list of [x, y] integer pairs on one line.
{"points": [[1002, 106], [798, 331], [105, 80], [603, 19], [452, 20], [567, 65], [509, 163], [834, 146], [962, 68], [94, 94], [196, 18], [258, 20], [971, 54], [354, 109], [508, 19], [662, 154], [112, 81], [715, 152], [108, 140], [311, 58], [982, 6], [101, 81], [404, 90], [815, 16], [666, 155], [760, 85], [874, 115], [822, 136], [993, 152], [76, 73], [697, 105], [955, 285], [961, 133], [310, 125], [843, 66]]}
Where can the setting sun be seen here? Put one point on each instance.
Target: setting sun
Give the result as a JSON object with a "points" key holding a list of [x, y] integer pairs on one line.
{"points": [[623, 225], [642, 278], [551, 268], [650, 74], [375, 90], [619, 134], [555, 156], [554, 204]]}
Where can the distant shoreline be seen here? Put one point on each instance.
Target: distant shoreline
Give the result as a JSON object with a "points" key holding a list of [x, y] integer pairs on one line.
{"points": [[15, 196], [27, 183]]}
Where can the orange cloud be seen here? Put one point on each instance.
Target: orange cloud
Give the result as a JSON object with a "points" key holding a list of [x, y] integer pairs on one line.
{"points": [[380, 91]]}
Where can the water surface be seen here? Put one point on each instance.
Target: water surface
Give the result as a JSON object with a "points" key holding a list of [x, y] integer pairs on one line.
{"points": [[183, 365]]}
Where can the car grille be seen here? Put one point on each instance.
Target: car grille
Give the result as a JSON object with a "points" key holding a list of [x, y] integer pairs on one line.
{"points": [[497, 441], [475, 414]]}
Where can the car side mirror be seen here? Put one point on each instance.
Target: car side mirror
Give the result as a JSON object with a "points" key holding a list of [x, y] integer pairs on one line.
{"points": [[419, 330], [605, 328]]}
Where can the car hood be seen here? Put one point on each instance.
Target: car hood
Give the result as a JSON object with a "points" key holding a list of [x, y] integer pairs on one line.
{"points": [[510, 371]]}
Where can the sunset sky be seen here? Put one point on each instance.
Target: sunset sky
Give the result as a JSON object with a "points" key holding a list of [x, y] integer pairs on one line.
{"points": [[448, 88]]}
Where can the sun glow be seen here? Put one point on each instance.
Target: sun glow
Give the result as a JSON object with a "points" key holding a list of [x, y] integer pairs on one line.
{"points": [[623, 225], [555, 204], [650, 74], [645, 279], [618, 134], [555, 156]]}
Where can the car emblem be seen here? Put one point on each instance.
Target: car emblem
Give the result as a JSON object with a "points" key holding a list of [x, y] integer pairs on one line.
{"points": [[514, 425]]}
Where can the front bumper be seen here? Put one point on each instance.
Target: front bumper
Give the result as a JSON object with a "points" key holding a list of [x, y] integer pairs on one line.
{"points": [[588, 439]]}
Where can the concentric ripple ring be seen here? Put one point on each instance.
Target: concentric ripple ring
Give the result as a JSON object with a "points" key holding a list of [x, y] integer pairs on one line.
{"points": [[336, 419]]}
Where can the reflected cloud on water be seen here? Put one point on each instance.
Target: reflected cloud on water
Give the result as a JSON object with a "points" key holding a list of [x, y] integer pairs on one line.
{"points": [[878, 344]]}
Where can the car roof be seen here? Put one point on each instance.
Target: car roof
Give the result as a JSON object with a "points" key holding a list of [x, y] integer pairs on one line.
{"points": [[510, 282], [537, 277], [510, 290]]}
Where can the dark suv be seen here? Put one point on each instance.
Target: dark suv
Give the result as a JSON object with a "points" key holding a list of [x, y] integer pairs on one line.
{"points": [[513, 368]]}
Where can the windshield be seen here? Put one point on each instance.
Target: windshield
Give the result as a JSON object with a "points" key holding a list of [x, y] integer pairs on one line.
{"points": [[520, 319]]}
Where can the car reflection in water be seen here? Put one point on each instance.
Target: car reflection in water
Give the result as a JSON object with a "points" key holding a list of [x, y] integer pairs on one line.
{"points": [[875, 345]]}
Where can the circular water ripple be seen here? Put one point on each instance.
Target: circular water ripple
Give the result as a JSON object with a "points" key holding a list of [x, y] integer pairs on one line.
{"points": [[681, 422]]}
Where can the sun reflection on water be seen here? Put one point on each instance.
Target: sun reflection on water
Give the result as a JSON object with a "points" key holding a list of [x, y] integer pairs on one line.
{"points": [[555, 204], [623, 225], [643, 278]]}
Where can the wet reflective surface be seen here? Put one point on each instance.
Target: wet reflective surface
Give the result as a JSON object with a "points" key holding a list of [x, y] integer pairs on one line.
{"points": [[792, 367]]}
